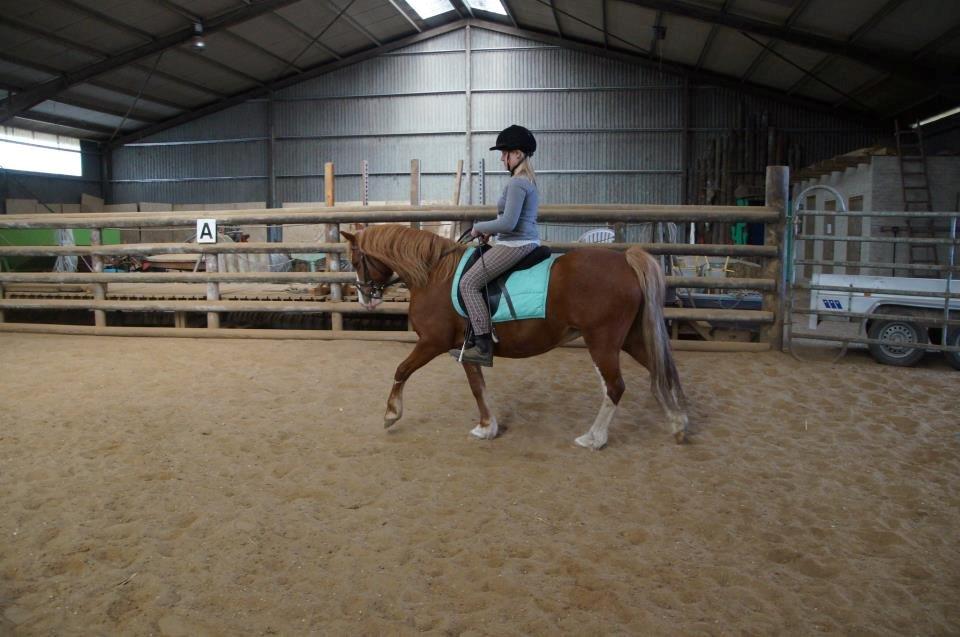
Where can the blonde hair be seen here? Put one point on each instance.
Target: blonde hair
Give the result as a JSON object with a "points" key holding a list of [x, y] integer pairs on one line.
{"points": [[525, 170]]}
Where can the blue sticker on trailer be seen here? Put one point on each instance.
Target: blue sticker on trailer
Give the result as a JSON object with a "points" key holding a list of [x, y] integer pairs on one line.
{"points": [[832, 304]]}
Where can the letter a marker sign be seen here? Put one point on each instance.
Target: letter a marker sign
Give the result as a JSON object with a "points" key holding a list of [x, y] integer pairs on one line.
{"points": [[206, 230]]}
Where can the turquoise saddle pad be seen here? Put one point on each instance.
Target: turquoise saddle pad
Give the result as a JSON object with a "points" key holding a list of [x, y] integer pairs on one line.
{"points": [[526, 291]]}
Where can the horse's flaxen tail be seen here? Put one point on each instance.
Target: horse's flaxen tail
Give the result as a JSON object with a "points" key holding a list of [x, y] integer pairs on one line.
{"points": [[664, 379]]}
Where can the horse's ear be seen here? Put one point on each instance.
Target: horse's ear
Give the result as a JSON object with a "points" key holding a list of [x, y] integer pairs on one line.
{"points": [[349, 236]]}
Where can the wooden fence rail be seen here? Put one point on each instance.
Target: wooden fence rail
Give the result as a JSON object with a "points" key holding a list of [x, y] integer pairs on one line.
{"points": [[770, 282]]}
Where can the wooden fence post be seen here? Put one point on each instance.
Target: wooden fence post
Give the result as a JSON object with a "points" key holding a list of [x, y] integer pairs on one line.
{"points": [[415, 188], [213, 293], [99, 289], [778, 198], [332, 235]]}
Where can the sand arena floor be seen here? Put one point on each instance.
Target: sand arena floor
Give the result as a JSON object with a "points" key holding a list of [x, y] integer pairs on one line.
{"points": [[178, 487]]}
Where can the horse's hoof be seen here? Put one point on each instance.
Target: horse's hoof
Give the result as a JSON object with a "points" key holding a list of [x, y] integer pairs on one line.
{"points": [[484, 433], [389, 421], [587, 441], [680, 437]]}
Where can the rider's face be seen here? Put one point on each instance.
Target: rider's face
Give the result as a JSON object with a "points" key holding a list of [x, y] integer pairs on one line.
{"points": [[510, 158]]}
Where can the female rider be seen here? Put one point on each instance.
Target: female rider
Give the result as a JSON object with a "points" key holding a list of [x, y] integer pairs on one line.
{"points": [[517, 235]]}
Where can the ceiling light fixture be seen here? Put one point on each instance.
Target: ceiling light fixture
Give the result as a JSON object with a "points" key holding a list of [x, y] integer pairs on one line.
{"points": [[197, 42], [937, 117]]}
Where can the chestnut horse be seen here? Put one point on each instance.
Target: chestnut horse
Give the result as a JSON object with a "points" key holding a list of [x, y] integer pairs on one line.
{"points": [[614, 300]]}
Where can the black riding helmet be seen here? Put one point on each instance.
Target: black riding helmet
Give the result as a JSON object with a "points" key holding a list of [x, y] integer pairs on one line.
{"points": [[516, 138]]}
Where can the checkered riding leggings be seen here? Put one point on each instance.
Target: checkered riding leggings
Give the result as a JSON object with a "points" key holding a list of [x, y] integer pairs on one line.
{"points": [[494, 262]]}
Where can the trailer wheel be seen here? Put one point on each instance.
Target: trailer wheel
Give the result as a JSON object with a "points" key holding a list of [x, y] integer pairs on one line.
{"points": [[953, 357], [903, 333]]}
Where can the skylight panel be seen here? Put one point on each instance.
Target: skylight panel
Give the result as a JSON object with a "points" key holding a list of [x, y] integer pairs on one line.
{"points": [[490, 6], [429, 8]]}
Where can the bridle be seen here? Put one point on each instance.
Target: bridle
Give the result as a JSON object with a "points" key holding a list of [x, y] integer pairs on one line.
{"points": [[370, 288], [373, 290]]}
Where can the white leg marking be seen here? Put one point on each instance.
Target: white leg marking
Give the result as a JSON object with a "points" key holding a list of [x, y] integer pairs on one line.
{"points": [[596, 437], [394, 405], [486, 433], [490, 430], [678, 421]]}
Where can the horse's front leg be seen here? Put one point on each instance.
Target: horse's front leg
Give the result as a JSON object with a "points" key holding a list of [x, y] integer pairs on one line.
{"points": [[487, 429], [422, 353]]}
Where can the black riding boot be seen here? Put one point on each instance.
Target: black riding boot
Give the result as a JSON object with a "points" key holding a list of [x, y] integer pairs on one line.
{"points": [[467, 344], [481, 351]]}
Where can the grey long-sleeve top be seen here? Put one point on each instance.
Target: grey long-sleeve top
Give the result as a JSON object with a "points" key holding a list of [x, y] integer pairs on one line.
{"points": [[516, 213]]}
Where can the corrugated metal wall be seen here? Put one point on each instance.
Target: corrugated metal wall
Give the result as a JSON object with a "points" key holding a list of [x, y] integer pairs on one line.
{"points": [[609, 132]]}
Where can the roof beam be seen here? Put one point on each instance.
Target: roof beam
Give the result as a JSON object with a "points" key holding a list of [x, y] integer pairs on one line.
{"points": [[359, 28], [710, 37], [506, 7], [556, 18], [883, 60], [770, 49], [58, 120], [657, 23], [603, 17], [400, 10], [791, 19], [192, 18], [149, 37], [592, 26], [951, 89], [306, 36], [77, 46], [315, 71], [54, 72], [863, 29], [29, 98], [703, 77]]}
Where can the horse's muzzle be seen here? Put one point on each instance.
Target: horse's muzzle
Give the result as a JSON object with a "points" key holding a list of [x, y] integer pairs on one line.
{"points": [[372, 303]]}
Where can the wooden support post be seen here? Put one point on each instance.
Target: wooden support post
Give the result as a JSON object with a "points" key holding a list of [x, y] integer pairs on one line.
{"points": [[332, 235], [415, 188], [99, 289], [468, 119], [458, 181], [1, 298], [457, 228], [329, 189], [364, 183], [414, 201], [213, 293], [778, 198]]}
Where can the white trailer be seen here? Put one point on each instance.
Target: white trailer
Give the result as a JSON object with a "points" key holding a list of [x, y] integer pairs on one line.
{"points": [[900, 318]]}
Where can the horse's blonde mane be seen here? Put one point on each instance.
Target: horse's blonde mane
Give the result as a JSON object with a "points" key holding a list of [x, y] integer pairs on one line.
{"points": [[418, 257]]}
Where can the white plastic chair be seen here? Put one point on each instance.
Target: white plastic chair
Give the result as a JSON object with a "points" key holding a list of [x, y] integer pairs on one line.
{"points": [[597, 235]]}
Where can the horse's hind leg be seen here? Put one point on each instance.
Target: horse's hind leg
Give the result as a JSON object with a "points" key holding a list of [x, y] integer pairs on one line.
{"points": [[423, 352], [675, 414], [487, 429], [606, 359]]}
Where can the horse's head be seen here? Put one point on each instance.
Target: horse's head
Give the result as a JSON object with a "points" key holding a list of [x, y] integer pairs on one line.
{"points": [[373, 275]]}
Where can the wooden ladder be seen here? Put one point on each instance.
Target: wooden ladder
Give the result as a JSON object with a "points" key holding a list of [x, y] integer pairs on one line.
{"points": [[916, 190]]}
